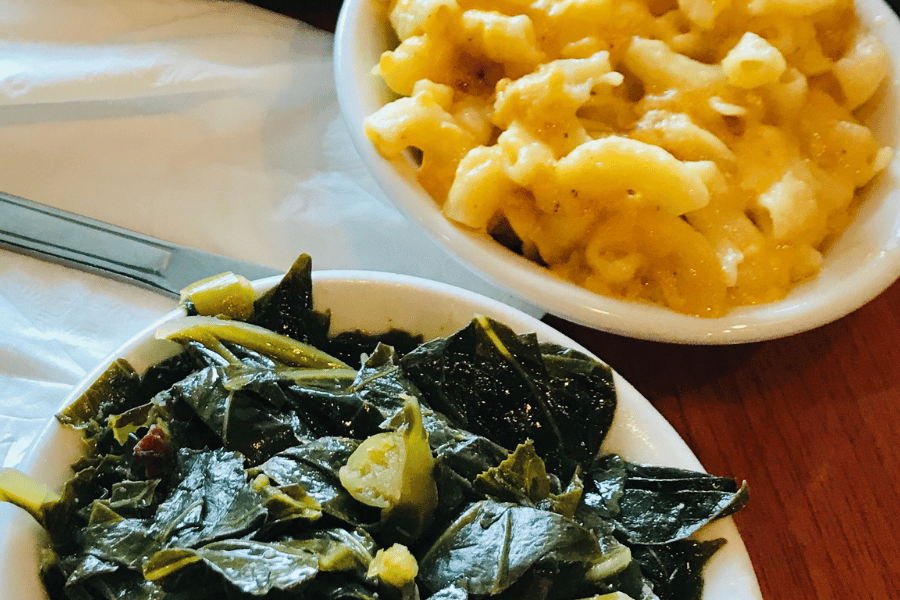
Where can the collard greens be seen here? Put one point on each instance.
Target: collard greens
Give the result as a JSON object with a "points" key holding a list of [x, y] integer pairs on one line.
{"points": [[218, 473]]}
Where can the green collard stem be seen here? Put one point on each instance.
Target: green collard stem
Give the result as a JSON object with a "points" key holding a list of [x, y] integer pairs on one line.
{"points": [[26, 492], [288, 351]]}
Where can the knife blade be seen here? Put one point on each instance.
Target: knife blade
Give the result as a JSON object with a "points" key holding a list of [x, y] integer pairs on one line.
{"points": [[101, 248]]}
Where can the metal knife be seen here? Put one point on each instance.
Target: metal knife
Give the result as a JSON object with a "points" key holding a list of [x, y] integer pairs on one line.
{"points": [[87, 244]]}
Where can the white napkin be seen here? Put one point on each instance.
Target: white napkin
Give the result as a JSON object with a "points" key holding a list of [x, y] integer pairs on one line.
{"points": [[211, 124]]}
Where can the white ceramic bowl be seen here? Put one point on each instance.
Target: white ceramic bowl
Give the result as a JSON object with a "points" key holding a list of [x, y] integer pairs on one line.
{"points": [[864, 261], [639, 433]]}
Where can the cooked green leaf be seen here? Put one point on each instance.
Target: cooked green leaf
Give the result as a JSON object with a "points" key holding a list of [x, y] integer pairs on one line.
{"points": [[658, 505], [125, 542], [676, 569], [244, 421], [288, 307], [490, 381], [521, 478], [115, 389], [254, 568], [133, 498], [212, 499], [582, 398], [492, 544], [286, 501], [314, 465]]}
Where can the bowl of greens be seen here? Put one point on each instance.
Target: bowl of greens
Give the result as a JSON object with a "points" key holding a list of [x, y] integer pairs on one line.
{"points": [[363, 435]]}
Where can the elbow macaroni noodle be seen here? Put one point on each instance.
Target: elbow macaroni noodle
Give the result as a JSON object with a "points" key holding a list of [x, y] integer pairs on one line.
{"points": [[698, 154]]}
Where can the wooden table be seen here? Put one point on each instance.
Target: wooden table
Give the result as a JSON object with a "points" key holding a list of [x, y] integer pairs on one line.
{"points": [[810, 421]]}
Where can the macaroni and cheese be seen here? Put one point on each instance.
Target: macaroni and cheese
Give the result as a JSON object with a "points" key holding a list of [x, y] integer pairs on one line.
{"points": [[699, 154]]}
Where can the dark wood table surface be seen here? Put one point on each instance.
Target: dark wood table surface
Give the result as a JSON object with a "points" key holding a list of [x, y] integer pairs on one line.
{"points": [[811, 421]]}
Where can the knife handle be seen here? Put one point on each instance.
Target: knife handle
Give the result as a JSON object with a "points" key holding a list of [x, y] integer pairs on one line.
{"points": [[81, 242]]}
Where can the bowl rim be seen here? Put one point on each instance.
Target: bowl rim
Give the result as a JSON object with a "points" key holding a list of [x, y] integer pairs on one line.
{"points": [[803, 309]]}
